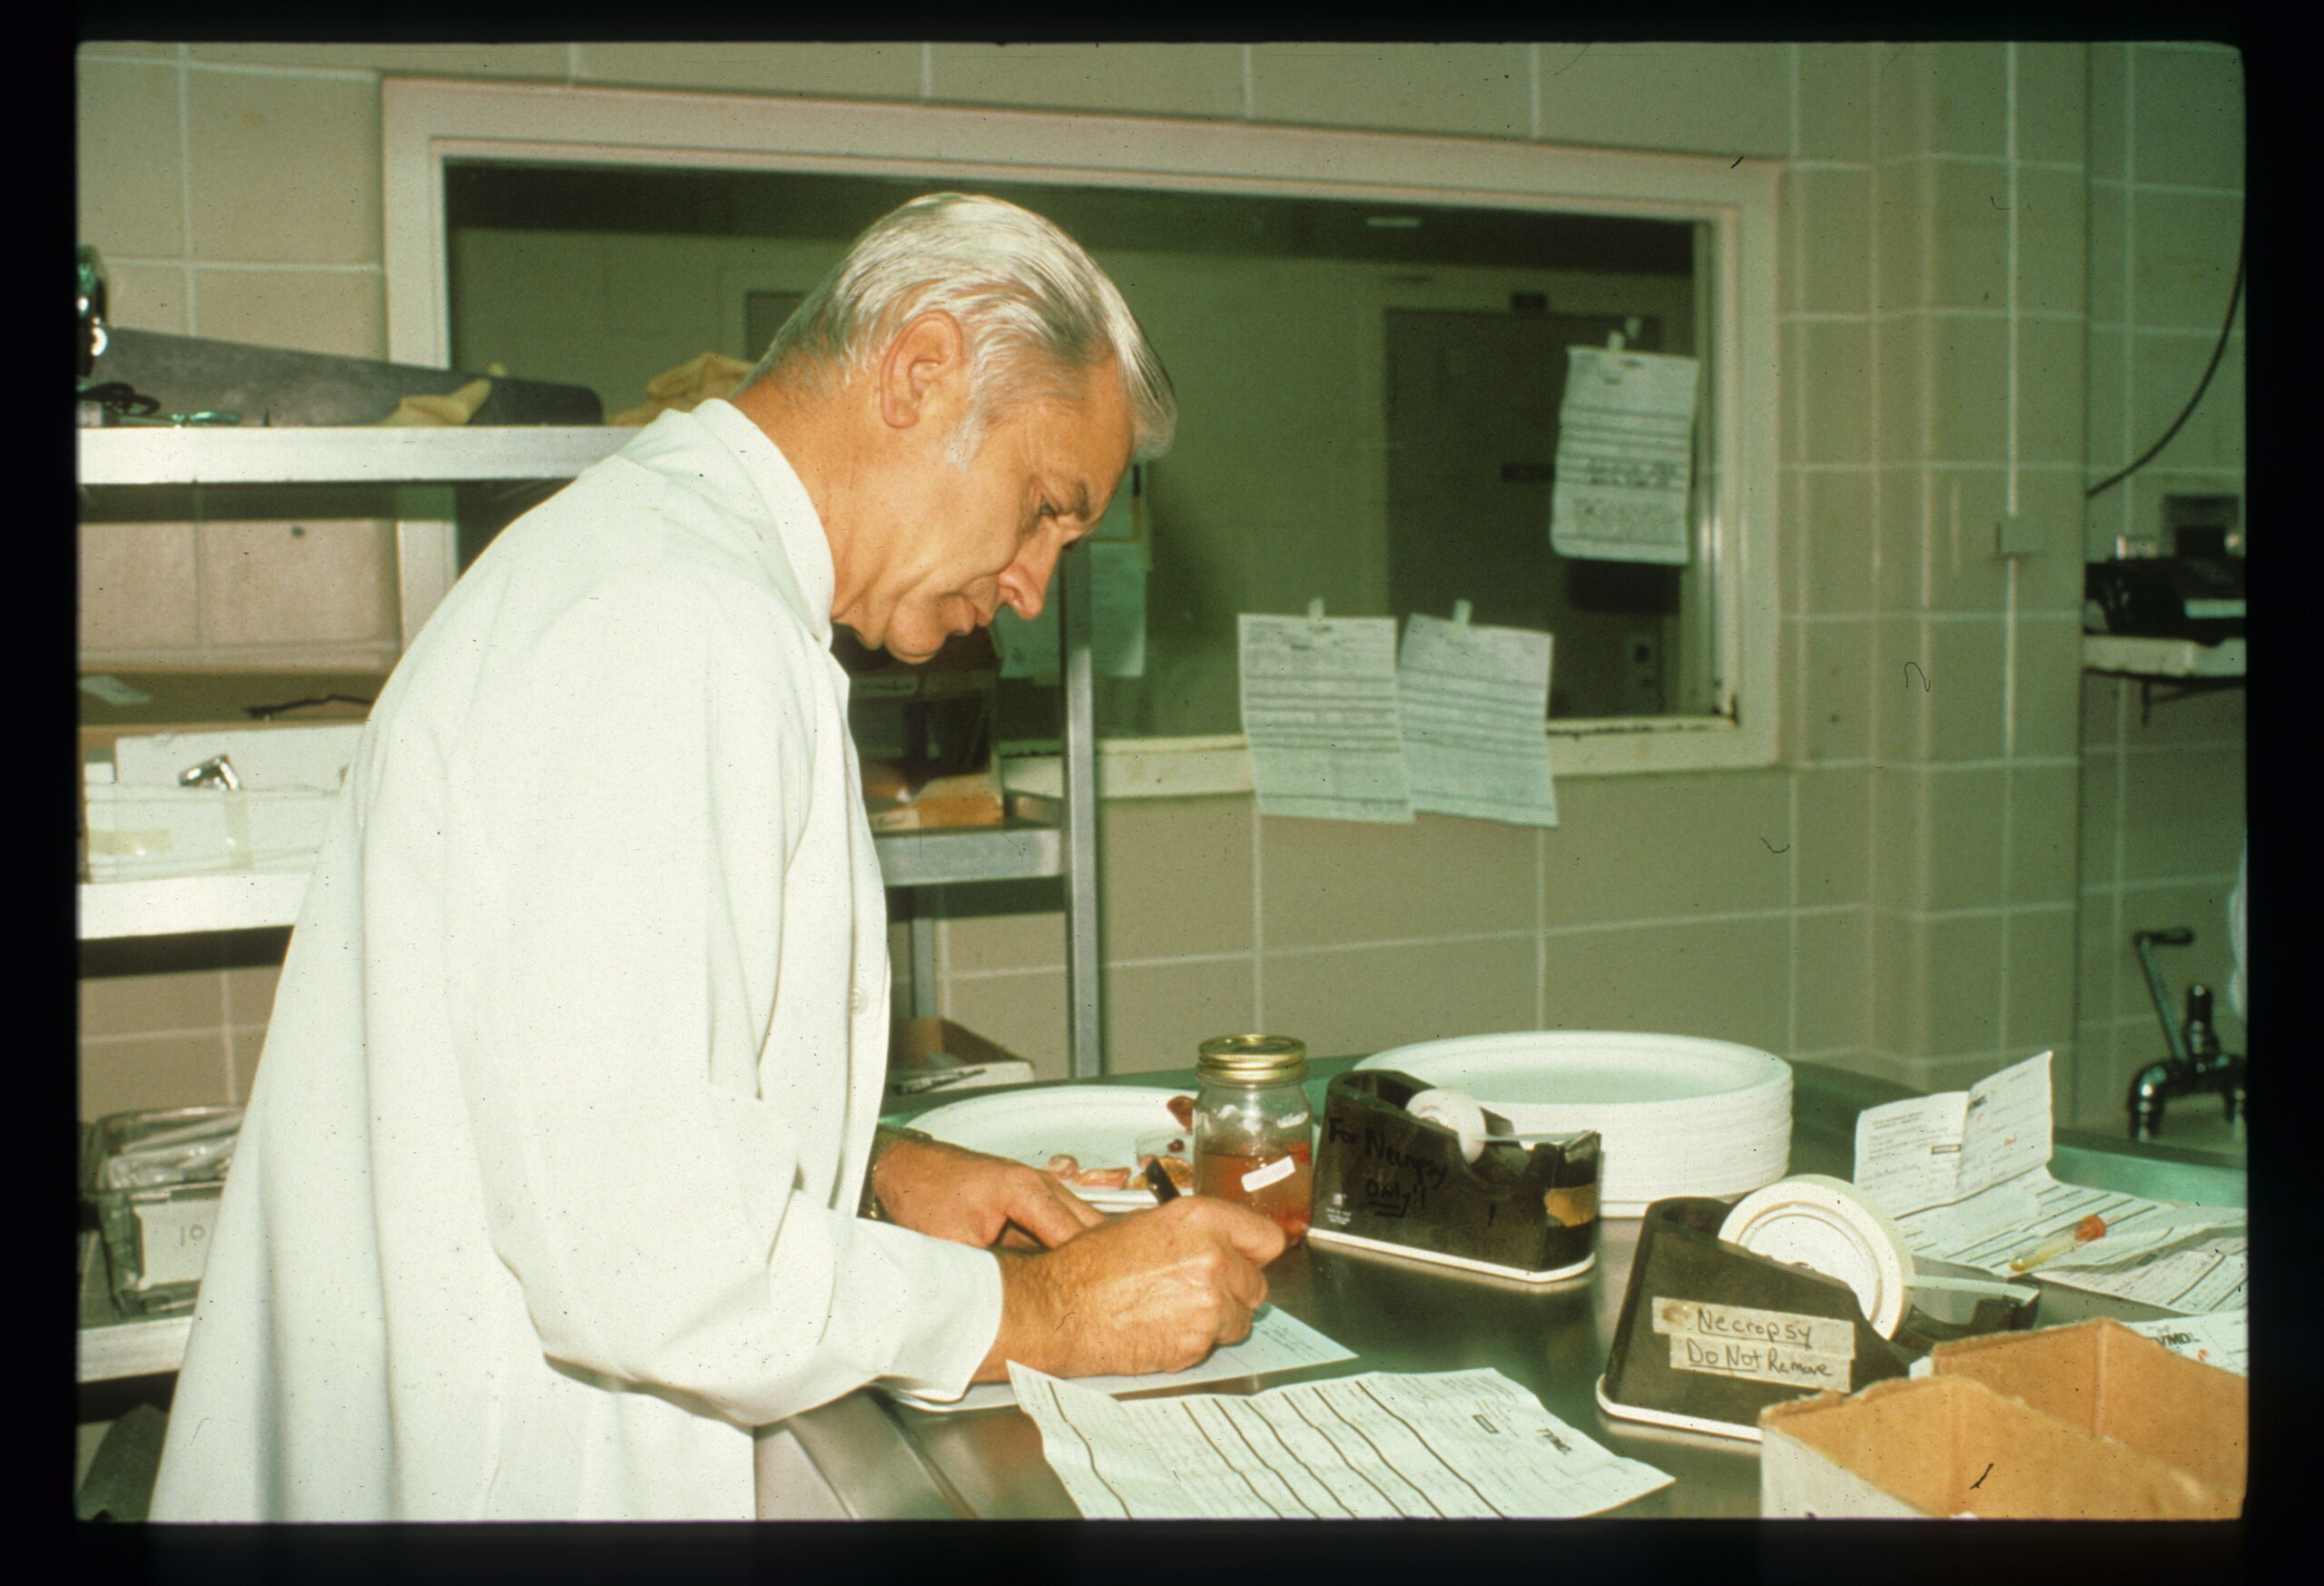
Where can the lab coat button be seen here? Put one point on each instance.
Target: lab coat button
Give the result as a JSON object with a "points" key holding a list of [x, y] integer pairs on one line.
{"points": [[856, 1001]]}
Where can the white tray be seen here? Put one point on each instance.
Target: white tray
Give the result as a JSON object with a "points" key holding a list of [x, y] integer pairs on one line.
{"points": [[1099, 1124]]}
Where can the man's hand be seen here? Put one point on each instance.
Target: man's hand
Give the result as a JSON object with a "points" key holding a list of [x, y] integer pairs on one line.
{"points": [[1149, 1292], [972, 1198]]}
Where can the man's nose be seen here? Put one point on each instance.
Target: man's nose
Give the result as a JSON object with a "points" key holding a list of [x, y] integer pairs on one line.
{"points": [[1025, 582]]}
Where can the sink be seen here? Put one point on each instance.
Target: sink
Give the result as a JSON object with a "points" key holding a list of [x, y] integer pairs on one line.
{"points": [[2158, 1172]]}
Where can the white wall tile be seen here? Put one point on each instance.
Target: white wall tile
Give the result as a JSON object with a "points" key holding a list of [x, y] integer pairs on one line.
{"points": [[130, 150], [1731, 99]]}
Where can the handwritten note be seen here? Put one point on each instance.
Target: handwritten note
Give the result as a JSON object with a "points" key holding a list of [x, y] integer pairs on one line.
{"points": [[1473, 702], [1320, 710], [1625, 457], [1452, 1445], [1767, 1346]]}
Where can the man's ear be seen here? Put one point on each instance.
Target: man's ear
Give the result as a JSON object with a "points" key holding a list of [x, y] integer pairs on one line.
{"points": [[923, 372]]}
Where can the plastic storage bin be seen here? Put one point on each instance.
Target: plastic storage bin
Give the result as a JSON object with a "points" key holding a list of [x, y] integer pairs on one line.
{"points": [[154, 1179]]}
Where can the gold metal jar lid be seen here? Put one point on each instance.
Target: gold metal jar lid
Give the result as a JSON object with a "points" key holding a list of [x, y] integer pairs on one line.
{"points": [[1252, 1059]]}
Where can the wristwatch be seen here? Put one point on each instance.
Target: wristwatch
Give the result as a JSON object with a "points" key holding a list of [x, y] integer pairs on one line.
{"points": [[883, 1136]]}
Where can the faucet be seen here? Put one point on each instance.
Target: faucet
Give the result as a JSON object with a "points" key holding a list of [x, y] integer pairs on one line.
{"points": [[2196, 1063]]}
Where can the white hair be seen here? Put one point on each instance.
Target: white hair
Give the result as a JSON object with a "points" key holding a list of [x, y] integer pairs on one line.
{"points": [[1034, 310]]}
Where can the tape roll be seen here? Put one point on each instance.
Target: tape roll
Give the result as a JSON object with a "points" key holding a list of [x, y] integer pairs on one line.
{"points": [[1828, 1225], [1457, 1110]]}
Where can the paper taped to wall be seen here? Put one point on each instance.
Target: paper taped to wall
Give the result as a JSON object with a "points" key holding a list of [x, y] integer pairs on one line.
{"points": [[1474, 701], [1320, 711], [1625, 457]]}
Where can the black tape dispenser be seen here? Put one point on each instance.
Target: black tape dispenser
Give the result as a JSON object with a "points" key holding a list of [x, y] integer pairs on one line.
{"points": [[1728, 1312], [1450, 1182]]}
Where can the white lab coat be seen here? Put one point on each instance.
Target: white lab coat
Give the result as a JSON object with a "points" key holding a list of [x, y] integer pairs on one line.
{"points": [[545, 1194]]}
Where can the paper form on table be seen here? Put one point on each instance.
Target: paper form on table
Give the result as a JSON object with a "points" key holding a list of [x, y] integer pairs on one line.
{"points": [[1448, 1445], [1320, 711], [1279, 1342], [1473, 702], [1625, 457], [2217, 1340], [1933, 1150], [1966, 1177]]}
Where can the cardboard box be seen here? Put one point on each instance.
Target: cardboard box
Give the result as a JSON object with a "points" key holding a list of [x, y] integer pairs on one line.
{"points": [[2089, 1421], [927, 1055]]}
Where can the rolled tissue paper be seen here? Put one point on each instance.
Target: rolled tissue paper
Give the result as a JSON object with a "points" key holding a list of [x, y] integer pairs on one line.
{"points": [[1457, 1110]]}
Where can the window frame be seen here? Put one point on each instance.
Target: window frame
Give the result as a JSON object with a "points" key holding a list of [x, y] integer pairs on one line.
{"points": [[428, 122]]}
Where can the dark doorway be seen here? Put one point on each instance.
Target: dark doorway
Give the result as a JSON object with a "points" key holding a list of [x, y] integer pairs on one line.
{"points": [[1472, 438]]}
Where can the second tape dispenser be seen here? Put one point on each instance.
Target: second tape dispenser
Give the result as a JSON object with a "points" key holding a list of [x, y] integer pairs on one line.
{"points": [[1802, 1287]]}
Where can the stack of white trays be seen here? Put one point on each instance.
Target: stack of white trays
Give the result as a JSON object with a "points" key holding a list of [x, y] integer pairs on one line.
{"points": [[1675, 1115]]}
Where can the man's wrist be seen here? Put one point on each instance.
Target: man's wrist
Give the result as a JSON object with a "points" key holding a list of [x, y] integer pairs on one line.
{"points": [[883, 1137]]}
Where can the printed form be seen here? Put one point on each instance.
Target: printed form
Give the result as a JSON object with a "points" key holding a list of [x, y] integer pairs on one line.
{"points": [[1451, 1445], [1279, 1342], [2220, 1339], [1474, 701], [1320, 710], [1624, 458], [1967, 1176]]}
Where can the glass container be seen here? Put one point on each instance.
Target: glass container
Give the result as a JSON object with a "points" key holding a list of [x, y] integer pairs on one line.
{"points": [[1254, 1142]]}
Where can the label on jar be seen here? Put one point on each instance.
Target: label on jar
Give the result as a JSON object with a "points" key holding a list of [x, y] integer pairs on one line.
{"points": [[1274, 1172]]}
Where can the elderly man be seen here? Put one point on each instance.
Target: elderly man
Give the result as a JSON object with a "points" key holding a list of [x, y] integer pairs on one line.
{"points": [[558, 1188]]}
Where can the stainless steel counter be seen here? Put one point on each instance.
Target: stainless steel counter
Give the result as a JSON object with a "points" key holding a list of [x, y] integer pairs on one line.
{"points": [[894, 1462]]}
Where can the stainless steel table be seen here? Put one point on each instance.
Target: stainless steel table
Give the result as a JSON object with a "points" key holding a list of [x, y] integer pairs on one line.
{"points": [[889, 1461]]}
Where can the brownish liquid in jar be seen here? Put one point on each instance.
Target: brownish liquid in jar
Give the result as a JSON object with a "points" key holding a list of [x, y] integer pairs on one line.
{"points": [[1219, 1174]]}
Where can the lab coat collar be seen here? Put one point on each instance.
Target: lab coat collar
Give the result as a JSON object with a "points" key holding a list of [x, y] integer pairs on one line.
{"points": [[799, 538]]}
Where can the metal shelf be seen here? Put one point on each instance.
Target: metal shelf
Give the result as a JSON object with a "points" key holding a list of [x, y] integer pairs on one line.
{"points": [[183, 904], [2134, 658], [1015, 852], [245, 455], [135, 455], [109, 1345], [178, 905]]}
